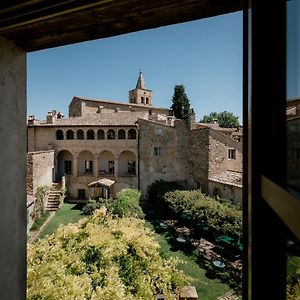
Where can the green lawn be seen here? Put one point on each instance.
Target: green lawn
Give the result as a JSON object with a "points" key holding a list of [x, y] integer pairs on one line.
{"points": [[207, 289], [67, 213]]}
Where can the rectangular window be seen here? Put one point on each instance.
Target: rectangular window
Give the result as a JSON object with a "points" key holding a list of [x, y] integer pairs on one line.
{"points": [[231, 154], [88, 167], [131, 167], [111, 167], [157, 151], [81, 193], [68, 167]]}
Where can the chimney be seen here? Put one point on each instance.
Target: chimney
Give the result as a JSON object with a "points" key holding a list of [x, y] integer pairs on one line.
{"points": [[100, 109], [50, 118], [31, 120], [192, 119]]}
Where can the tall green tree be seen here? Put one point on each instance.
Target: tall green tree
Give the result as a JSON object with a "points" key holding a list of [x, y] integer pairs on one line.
{"points": [[181, 103], [225, 119]]}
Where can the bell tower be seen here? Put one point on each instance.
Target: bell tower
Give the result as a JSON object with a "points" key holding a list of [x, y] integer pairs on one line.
{"points": [[141, 95]]}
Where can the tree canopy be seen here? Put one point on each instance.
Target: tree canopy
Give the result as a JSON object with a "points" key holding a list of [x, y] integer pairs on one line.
{"points": [[181, 103], [225, 119]]}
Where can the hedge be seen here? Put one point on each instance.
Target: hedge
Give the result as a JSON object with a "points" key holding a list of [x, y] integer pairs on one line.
{"points": [[199, 209]]}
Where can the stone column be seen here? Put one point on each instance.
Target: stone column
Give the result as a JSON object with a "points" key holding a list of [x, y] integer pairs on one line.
{"points": [[13, 221], [95, 166], [75, 166], [116, 167]]}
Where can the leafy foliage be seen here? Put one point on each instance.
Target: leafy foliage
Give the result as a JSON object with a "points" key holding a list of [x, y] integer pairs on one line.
{"points": [[200, 209], [126, 204], [181, 103], [158, 189], [225, 119], [40, 221], [101, 257], [92, 205], [39, 204]]}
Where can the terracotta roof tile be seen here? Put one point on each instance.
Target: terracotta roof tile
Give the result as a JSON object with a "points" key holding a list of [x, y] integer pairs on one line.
{"points": [[229, 178], [120, 118]]}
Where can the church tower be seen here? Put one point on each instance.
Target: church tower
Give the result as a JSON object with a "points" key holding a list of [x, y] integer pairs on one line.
{"points": [[140, 95]]}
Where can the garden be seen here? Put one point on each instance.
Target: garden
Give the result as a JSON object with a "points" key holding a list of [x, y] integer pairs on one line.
{"points": [[188, 247]]}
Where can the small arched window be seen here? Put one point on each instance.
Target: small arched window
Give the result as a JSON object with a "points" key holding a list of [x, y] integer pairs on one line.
{"points": [[111, 135], [90, 135], [121, 134], [59, 135], [131, 134], [80, 134], [100, 134], [147, 100], [70, 134], [142, 100]]}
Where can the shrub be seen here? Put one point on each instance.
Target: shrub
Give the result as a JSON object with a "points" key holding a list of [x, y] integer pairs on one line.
{"points": [[101, 257], [92, 205], [158, 189], [39, 204], [127, 204], [223, 219]]}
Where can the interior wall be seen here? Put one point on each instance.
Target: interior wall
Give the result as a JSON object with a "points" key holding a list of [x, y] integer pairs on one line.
{"points": [[13, 171]]}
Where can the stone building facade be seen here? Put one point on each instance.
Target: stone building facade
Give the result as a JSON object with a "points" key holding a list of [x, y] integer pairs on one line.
{"points": [[134, 144], [40, 170]]}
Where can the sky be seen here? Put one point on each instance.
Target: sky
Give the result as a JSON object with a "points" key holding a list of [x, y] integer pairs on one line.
{"points": [[205, 56]]}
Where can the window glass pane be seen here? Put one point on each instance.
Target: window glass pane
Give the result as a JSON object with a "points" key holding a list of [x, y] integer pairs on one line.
{"points": [[293, 93]]}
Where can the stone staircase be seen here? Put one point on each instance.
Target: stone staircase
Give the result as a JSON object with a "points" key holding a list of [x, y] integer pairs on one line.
{"points": [[53, 197], [229, 296]]}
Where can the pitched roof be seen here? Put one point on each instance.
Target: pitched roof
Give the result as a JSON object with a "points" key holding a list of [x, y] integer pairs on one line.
{"points": [[120, 118], [229, 178]]}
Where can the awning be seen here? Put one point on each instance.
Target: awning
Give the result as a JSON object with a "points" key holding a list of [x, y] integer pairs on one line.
{"points": [[102, 182]]}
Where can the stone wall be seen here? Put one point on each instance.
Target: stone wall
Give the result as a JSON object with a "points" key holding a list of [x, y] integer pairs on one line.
{"points": [[81, 107], [73, 184], [198, 159], [208, 155], [170, 164], [219, 144], [229, 192], [13, 171], [40, 167]]}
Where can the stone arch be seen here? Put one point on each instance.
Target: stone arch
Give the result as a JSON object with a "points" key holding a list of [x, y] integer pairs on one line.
{"points": [[70, 134], [90, 134], [80, 134], [85, 163], [106, 163], [111, 134], [64, 163], [100, 134], [121, 134], [127, 163], [132, 134], [59, 134]]}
